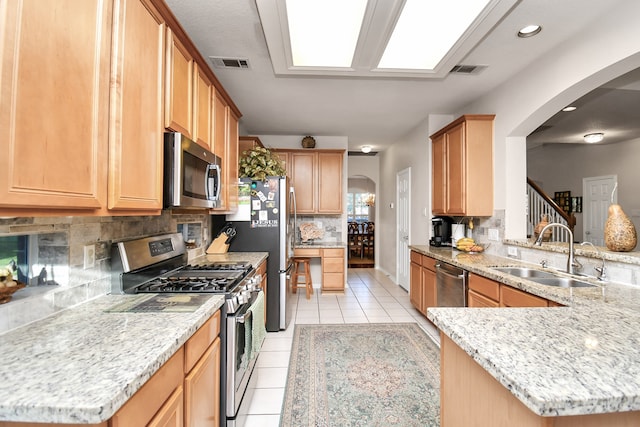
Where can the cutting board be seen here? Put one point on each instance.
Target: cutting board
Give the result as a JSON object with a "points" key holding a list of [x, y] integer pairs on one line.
{"points": [[218, 246]]}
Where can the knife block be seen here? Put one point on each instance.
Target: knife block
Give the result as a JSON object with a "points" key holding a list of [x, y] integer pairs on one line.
{"points": [[218, 246]]}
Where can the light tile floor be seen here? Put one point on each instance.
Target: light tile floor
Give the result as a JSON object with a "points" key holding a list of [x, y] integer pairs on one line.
{"points": [[371, 297]]}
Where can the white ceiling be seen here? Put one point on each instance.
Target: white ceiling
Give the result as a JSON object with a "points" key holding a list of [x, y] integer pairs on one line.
{"points": [[370, 111]]}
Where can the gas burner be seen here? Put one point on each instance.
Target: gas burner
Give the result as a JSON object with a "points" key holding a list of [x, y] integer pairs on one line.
{"points": [[221, 266]]}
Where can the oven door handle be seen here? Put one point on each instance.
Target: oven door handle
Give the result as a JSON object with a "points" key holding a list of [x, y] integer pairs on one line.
{"points": [[244, 318]]}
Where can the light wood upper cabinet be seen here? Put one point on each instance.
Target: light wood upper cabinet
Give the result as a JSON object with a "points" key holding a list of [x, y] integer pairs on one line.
{"points": [[316, 176], [304, 177], [136, 128], [330, 182], [55, 103], [462, 165], [179, 89], [203, 108], [225, 146]]}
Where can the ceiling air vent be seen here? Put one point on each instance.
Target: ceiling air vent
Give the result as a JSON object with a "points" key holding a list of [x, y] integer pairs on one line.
{"points": [[468, 69], [221, 62]]}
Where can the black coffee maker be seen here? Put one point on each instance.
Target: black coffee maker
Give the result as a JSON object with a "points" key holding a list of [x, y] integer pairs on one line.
{"points": [[440, 231]]}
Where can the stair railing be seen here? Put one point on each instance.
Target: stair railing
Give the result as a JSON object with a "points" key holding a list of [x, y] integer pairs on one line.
{"points": [[541, 204]]}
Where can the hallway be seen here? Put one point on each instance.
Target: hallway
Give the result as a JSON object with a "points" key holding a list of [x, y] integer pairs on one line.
{"points": [[371, 297]]}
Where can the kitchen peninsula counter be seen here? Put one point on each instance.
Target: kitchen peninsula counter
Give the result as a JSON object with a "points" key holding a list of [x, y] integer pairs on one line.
{"points": [[80, 365], [569, 362]]}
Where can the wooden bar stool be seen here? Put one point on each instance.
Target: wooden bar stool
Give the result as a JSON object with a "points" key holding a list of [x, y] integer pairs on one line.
{"points": [[305, 262]]}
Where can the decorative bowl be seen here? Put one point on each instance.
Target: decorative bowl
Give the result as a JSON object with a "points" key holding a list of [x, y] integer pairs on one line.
{"points": [[6, 293]]}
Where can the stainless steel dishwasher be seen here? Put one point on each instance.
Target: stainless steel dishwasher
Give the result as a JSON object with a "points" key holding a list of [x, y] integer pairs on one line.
{"points": [[451, 285]]}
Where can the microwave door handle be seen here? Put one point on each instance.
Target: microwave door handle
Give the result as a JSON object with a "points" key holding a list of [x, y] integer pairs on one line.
{"points": [[211, 188]]}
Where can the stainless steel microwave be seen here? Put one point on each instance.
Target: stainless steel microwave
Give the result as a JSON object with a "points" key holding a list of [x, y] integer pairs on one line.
{"points": [[191, 174]]}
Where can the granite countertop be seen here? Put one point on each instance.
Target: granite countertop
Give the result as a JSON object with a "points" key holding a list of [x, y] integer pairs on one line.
{"points": [[46, 365], [580, 359]]}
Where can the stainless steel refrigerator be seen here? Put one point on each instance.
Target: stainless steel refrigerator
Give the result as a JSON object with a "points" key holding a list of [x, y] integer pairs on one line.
{"points": [[263, 224]]}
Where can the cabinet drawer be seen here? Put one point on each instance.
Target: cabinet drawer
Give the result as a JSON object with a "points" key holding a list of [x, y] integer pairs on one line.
{"points": [[333, 281], [429, 263], [310, 252], [484, 286], [333, 265], [510, 297], [335, 252], [416, 257], [200, 341], [479, 300]]}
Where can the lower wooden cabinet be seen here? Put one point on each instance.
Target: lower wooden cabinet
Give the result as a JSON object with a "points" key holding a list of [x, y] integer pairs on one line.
{"points": [[422, 285], [262, 271], [333, 270], [333, 266], [202, 390], [485, 292], [154, 397], [171, 413], [511, 297]]}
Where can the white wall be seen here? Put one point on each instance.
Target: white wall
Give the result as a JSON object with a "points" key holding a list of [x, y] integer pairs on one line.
{"points": [[412, 152]]}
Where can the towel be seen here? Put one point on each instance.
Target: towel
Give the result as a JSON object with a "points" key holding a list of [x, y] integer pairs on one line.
{"points": [[258, 331]]}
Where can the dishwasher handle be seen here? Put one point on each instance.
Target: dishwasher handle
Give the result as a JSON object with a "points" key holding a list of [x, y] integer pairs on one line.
{"points": [[450, 271]]}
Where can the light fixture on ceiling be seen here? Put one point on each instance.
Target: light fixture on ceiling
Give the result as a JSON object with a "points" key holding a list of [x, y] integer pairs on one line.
{"points": [[324, 33], [447, 21], [529, 31], [569, 108], [592, 138], [365, 149]]}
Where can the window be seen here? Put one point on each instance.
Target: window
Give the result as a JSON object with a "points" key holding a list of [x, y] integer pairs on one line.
{"points": [[14, 252], [357, 210]]}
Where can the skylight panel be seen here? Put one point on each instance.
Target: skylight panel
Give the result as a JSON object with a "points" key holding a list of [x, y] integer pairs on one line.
{"points": [[426, 31], [324, 33]]}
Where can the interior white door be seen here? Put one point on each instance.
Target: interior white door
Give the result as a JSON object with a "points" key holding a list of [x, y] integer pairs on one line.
{"points": [[597, 198], [403, 183]]}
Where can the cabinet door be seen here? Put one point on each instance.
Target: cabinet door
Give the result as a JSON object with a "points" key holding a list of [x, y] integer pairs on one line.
{"points": [[202, 109], [232, 162], [415, 286], [303, 175], [179, 92], [202, 390], [220, 135], [330, 183], [171, 413], [439, 167], [136, 131], [55, 103], [429, 296], [478, 300], [456, 170]]}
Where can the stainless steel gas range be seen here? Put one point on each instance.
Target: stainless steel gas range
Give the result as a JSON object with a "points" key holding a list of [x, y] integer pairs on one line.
{"points": [[158, 264]]}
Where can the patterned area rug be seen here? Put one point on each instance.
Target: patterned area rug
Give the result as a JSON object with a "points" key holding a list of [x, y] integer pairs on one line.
{"points": [[373, 374]]}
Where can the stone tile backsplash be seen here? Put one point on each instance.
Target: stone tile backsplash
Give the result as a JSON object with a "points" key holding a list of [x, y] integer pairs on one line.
{"points": [[59, 244]]}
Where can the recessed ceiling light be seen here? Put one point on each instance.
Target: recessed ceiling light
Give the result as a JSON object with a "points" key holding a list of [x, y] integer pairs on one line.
{"points": [[570, 108], [366, 149], [529, 31], [592, 138]]}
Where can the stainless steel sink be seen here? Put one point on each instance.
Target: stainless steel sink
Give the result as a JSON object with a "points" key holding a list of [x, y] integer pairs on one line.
{"points": [[544, 277], [525, 272], [562, 282]]}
